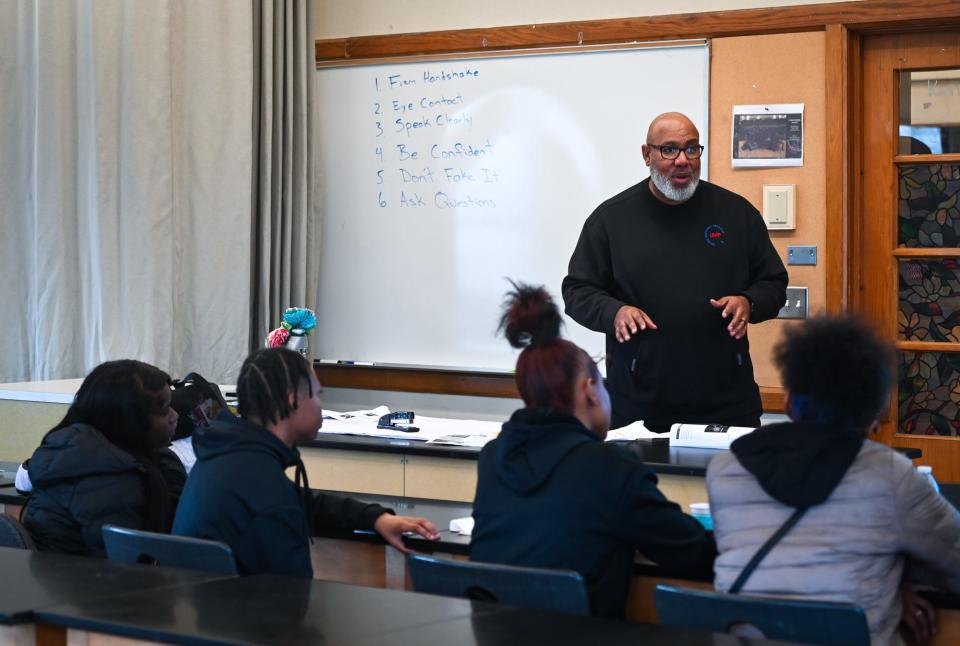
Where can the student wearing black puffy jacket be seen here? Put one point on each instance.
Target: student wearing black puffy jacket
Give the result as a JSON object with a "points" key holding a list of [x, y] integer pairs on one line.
{"points": [[105, 462]]}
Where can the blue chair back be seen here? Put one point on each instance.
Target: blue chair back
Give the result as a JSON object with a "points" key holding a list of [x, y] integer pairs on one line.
{"points": [[14, 534], [525, 587], [810, 622], [124, 545]]}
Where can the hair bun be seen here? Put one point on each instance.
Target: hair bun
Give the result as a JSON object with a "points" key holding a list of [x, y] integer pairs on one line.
{"points": [[530, 317]]}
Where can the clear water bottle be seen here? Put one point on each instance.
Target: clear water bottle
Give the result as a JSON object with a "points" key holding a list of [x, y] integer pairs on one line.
{"points": [[927, 472]]}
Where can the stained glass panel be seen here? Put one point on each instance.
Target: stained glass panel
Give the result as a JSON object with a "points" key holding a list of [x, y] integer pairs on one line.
{"points": [[928, 213], [929, 300], [929, 393]]}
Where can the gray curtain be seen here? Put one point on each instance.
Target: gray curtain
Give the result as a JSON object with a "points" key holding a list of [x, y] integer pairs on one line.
{"points": [[284, 235], [125, 162]]}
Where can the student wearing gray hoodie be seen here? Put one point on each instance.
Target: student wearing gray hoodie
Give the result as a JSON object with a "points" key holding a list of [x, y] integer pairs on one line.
{"points": [[865, 509]]}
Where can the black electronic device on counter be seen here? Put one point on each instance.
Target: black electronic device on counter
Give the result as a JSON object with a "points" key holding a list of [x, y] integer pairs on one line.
{"points": [[400, 420]]}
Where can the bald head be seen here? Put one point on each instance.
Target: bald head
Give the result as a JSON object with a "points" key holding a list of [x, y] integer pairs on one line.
{"points": [[669, 123]]}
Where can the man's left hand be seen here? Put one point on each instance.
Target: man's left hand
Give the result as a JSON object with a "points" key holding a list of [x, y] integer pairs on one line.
{"points": [[737, 308], [392, 528]]}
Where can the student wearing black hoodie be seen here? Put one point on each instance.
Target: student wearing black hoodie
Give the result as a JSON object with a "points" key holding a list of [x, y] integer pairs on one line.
{"points": [[238, 492], [860, 509], [551, 493]]}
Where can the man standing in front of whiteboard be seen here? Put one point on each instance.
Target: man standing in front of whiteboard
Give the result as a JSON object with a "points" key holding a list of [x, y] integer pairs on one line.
{"points": [[672, 270]]}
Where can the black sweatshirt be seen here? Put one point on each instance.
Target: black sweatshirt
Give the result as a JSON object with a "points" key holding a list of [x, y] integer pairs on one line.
{"points": [[670, 260]]}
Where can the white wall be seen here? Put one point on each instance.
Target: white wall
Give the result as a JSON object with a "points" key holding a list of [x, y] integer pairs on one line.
{"points": [[340, 18]]}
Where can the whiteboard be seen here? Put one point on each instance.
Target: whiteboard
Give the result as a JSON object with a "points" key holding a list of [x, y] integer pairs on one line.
{"points": [[441, 178]]}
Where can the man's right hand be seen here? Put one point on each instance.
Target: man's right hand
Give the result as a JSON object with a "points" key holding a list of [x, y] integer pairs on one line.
{"points": [[628, 320]]}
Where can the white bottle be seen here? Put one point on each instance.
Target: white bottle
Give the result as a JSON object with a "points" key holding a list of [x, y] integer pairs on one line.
{"points": [[927, 472]]}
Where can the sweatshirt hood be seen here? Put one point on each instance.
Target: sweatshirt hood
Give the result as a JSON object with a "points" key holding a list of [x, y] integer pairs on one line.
{"points": [[231, 435], [533, 443], [798, 464], [76, 451]]}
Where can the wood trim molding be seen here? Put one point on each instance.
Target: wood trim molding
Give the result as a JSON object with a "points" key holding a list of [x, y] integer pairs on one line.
{"points": [[865, 16], [842, 54], [926, 159], [927, 346], [418, 380], [454, 382], [773, 399], [926, 252]]}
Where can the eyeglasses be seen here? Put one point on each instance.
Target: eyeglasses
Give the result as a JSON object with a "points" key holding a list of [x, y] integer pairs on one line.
{"points": [[672, 152]]}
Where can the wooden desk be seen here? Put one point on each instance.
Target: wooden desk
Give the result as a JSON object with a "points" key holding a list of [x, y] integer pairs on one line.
{"points": [[413, 469], [364, 559]]}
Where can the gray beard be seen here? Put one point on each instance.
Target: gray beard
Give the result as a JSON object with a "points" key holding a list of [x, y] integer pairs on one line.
{"points": [[669, 191]]}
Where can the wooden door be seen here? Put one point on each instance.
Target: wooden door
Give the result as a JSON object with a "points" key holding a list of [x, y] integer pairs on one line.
{"points": [[906, 233]]}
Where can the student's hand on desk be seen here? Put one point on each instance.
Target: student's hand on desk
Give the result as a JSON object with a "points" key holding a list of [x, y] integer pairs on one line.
{"points": [[918, 614], [393, 527], [628, 320]]}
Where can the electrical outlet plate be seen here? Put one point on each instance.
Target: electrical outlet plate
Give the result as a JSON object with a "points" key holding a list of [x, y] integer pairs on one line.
{"points": [[796, 305]]}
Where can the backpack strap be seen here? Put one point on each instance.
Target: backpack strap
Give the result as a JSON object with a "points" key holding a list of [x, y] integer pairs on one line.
{"points": [[764, 550]]}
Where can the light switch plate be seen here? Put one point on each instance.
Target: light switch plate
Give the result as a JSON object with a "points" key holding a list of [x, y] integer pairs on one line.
{"points": [[796, 305], [779, 206]]}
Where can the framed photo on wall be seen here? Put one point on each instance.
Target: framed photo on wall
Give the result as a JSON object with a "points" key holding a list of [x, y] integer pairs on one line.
{"points": [[767, 135]]}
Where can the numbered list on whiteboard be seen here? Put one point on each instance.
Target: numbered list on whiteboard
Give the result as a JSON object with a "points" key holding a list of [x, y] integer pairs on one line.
{"points": [[427, 142]]}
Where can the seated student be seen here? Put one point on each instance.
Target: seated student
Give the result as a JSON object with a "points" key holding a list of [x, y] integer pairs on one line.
{"points": [[864, 507], [238, 492], [551, 493], [105, 461], [197, 402]]}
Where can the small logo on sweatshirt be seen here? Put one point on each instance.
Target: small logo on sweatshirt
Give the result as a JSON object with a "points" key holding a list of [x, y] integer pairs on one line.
{"points": [[715, 235]]}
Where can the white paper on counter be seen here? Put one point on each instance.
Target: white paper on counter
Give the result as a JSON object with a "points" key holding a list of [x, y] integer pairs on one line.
{"points": [[635, 431], [477, 441], [364, 423], [706, 436]]}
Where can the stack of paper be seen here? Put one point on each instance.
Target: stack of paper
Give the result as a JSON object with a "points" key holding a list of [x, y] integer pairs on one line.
{"points": [[706, 436]]}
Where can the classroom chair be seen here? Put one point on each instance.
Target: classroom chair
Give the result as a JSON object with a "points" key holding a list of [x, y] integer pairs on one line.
{"points": [[525, 587], [124, 545], [810, 622], [14, 534]]}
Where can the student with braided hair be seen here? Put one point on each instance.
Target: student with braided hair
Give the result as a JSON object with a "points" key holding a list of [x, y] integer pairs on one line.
{"points": [[551, 493], [238, 492]]}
